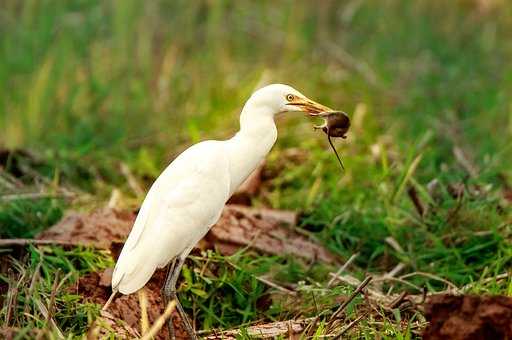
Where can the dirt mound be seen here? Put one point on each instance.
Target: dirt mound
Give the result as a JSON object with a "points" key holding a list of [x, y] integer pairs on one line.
{"points": [[95, 288], [266, 230], [269, 231], [99, 228], [468, 317]]}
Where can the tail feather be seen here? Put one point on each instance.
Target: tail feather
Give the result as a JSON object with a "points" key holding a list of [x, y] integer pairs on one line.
{"points": [[130, 276]]}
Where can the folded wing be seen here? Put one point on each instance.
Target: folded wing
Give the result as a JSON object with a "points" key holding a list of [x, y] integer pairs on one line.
{"points": [[181, 206]]}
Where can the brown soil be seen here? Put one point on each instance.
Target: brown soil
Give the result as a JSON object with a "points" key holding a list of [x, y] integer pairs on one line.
{"points": [[468, 317], [95, 288], [98, 228], [269, 231], [266, 230]]}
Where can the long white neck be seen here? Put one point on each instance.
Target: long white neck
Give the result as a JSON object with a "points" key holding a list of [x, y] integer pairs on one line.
{"points": [[251, 144]]}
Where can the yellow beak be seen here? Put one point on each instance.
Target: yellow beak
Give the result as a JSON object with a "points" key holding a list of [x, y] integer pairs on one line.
{"points": [[309, 106]]}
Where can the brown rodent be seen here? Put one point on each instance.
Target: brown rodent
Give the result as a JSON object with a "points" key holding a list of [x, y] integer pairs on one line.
{"points": [[336, 124]]}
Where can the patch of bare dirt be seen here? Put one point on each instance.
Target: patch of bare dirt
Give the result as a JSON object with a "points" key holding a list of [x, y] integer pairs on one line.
{"points": [[99, 228], [269, 231], [266, 230], [95, 287], [468, 317]]}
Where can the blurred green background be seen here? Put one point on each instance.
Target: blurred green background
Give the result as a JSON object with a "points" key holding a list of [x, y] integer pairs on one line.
{"points": [[95, 82], [91, 77], [91, 85]]}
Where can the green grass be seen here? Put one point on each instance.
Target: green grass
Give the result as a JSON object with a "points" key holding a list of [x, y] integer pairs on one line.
{"points": [[45, 271], [89, 85], [25, 218]]}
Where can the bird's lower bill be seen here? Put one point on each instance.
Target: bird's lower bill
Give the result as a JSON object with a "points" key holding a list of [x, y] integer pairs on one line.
{"points": [[311, 107]]}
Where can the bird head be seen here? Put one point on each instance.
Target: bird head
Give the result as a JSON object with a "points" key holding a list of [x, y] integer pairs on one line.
{"points": [[279, 98]]}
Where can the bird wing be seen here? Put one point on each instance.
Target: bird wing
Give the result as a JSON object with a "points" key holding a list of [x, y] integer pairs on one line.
{"points": [[181, 206]]}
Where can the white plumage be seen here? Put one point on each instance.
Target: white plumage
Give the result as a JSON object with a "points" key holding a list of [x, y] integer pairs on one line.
{"points": [[188, 197], [183, 203]]}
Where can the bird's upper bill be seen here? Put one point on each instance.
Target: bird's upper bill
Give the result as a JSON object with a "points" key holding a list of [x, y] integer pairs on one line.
{"points": [[299, 103]]}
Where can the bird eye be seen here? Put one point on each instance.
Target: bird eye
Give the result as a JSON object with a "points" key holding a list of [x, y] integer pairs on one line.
{"points": [[290, 97]]}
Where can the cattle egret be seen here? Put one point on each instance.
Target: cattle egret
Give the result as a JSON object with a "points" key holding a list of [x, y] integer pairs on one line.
{"points": [[187, 199]]}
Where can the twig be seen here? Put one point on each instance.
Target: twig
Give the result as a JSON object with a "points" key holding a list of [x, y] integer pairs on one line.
{"points": [[390, 278], [115, 198], [433, 277], [276, 286], [132, 182], [413, 195], [342, 269], [398, 300], [157, 325], [350, 325], [143, 302], [26, 241], [374, 293], [348, 279], [487, 280], [356, 292], [394, 244], [397, 269], [267, 331]]}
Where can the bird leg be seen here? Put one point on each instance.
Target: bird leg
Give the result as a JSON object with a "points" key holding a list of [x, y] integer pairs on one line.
{"points": [[167, 298], [170, 293]]}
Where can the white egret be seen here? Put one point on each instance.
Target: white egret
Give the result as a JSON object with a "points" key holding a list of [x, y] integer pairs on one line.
{"points": [[187, 199]]}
